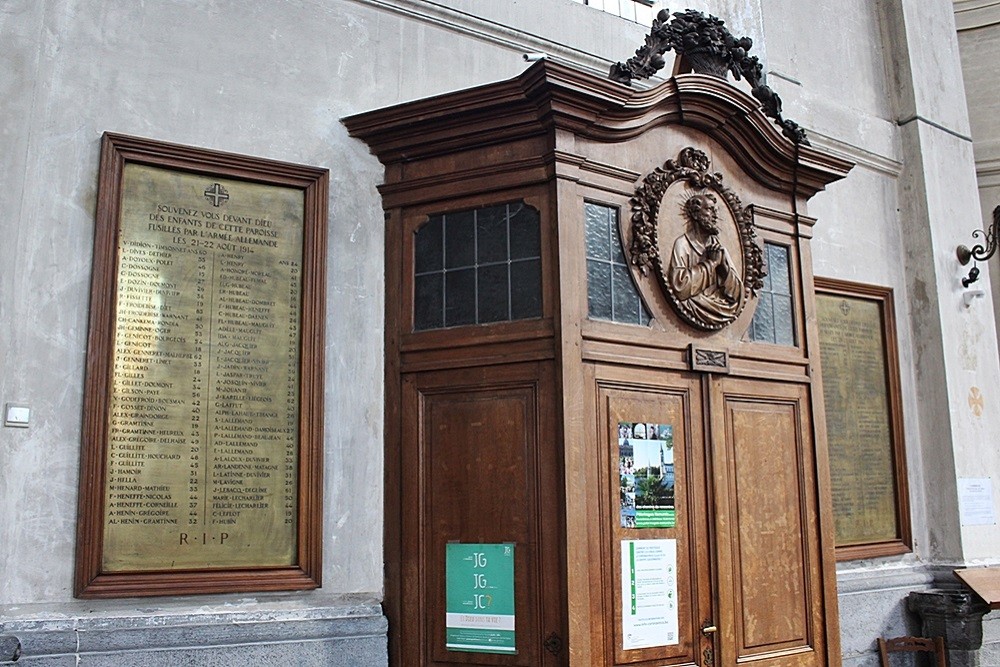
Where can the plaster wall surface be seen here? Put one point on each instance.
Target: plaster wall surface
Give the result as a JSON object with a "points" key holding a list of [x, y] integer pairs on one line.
{"points": [[561, 29], [270, 80], [886, 222], [265, 79], [968, 334], [273, 80], [949, 366], [979, 43], [190, 74], [859, 237], [980, 50], [928, 81], [936, 189]]}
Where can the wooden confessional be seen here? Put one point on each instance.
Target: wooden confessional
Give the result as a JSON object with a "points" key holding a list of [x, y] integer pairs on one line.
{"points": [[541, 260]]}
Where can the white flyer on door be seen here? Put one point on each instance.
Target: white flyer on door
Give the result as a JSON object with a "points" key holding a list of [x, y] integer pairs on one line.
{"points": [[649, 593]]}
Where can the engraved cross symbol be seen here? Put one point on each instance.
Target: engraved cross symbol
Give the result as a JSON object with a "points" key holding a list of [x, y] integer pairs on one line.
{"points": [[844, 308], [216, 194]]}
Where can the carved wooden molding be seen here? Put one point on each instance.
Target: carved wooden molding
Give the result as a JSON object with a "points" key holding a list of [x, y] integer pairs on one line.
{"points": [[551, 93], [708, 361], [714, 306]]}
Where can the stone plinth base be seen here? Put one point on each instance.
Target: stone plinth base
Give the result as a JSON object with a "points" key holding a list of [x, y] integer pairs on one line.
{"points": [[347, 636]]}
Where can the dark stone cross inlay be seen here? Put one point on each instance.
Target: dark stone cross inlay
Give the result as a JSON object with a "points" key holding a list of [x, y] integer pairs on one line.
{"points": [[216, 194]]}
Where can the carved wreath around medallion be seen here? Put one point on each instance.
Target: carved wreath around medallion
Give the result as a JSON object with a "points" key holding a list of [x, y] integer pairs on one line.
{"points": [[692, 166]]}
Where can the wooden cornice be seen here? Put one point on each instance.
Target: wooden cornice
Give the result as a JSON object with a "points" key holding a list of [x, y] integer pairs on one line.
{"points": [[551, 95]]}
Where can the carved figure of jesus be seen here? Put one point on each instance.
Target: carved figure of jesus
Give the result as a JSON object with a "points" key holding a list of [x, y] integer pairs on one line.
{"points": [[702, 275]]}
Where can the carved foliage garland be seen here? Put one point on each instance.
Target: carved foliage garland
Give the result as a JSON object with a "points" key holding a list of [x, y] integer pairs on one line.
{"points": [[697, 273], [710, 49]]}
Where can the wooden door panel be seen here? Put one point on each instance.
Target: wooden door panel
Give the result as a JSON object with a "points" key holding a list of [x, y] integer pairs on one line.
{"points": [[673, 399], [474, 446], [772, 610], [479, 488], [771, 555]]}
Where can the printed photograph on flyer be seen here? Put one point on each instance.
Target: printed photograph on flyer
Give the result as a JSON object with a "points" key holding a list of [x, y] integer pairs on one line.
{"points": [[646, 474]]}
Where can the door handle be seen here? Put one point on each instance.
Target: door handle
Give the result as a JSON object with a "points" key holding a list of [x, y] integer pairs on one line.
{"points": [[708, 629]]}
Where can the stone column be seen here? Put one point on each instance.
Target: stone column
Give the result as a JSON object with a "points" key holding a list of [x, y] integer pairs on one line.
{"points": [[955, 615], [954, 352]]}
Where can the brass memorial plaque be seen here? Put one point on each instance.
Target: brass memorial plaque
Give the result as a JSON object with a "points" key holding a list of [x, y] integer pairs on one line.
{"points": [[860, 434], [203, 416], [202, 383]]}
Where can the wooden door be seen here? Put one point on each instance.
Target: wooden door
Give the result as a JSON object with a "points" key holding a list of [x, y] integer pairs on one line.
{"points": [[749, 585], [770, 586], [627, 397], [481, 464]]}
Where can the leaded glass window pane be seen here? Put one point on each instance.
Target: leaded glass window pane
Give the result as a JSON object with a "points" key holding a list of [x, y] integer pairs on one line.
{"points": [[599, 290], [491, 235], [477, 267], [430, 246], [525, 241], [494, 293], [598, 247], [611, 292], [459, 240], [525, 289], [625, 302], [429, 299], [774, 319], [460, 297]]}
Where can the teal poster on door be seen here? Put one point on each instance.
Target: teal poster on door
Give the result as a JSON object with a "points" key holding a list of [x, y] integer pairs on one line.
{"points": [[479, 598]]}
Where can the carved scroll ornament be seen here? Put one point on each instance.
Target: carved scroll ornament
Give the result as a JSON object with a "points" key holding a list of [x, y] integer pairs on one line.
{"points": [[713, 265], [709, 48]]}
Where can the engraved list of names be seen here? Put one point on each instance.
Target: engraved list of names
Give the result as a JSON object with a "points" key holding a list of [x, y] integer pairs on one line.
{"points": [[856, 392], [202, 449]]}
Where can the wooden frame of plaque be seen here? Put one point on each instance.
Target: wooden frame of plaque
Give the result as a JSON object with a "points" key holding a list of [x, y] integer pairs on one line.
{"points": [[201, 461], [869, 432]]}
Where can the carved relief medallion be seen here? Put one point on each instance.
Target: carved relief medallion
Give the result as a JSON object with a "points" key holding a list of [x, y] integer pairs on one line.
{"points": [[698, 238]]}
